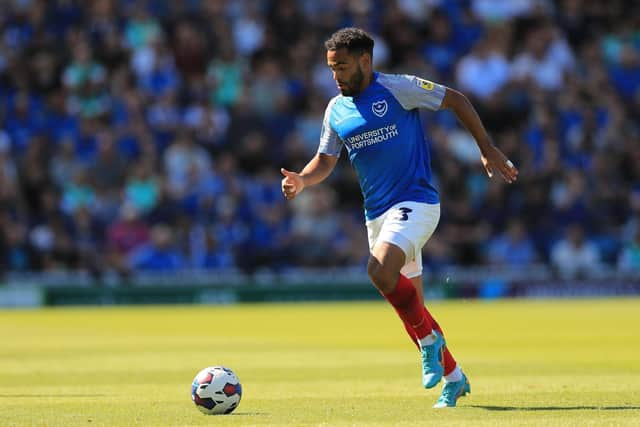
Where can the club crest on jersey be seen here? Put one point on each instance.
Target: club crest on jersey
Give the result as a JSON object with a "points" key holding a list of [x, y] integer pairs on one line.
{"points": [[379, 108]]}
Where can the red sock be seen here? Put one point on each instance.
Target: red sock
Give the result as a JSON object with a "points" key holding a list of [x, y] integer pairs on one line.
{"points": [[411, 334], [449, 362], [404, 299]]}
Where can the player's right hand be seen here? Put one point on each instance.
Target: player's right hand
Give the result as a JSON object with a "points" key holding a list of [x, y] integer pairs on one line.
{"points": [[292, 184]]}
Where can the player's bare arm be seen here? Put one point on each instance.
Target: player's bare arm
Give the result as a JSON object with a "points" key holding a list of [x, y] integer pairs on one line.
{"points": [[316, 171], [492, 158]]}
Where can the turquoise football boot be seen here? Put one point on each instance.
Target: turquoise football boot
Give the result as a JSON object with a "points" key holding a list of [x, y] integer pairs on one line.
{"points": [[452, 391], [432, 365]]}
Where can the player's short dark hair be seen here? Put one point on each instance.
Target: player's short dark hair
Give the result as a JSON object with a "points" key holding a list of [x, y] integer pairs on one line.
{"points": [[354, 40]]}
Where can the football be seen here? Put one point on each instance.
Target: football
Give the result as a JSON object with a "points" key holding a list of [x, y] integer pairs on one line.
{"points": [[216, 390]]}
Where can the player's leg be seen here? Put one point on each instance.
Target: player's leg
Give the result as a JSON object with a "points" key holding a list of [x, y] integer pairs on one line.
{"points": [[384, 270], [389, 257], [449, 361], [407, 327], [456, 383]]}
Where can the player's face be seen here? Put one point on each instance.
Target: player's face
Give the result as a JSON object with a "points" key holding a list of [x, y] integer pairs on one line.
{"points": [[347, 70]]}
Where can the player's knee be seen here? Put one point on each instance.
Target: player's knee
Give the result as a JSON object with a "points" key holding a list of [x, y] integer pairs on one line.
{"points": [[382, 277]]}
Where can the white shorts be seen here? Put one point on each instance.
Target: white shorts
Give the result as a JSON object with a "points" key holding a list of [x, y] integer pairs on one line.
{"points": [[407, 225]]}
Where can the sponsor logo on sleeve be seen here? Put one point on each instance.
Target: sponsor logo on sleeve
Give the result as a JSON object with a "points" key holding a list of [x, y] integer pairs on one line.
{"points": [[425, 84]]}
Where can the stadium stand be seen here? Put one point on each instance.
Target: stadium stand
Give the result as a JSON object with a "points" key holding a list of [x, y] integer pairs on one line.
{"points": [[148, 135]]}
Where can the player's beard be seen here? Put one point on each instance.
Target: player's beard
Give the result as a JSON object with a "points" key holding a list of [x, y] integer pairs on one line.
{"points": [[354, 85]]}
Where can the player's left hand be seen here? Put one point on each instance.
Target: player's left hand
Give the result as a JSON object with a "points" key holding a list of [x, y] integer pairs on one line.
{"points": [[493, 160]]}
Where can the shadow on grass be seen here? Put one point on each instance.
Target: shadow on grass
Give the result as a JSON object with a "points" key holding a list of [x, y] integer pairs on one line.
{"points": [[250, 413], [554, 408]]}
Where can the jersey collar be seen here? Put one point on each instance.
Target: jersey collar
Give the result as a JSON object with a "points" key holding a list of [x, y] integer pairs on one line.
{"points": [[363, 94]]}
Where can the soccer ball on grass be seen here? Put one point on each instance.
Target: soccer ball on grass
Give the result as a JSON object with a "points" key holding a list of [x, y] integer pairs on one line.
{"points": [[216, 390]]}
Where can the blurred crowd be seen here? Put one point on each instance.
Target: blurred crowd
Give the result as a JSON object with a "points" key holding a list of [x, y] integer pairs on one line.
{"points": [[149, 134]]}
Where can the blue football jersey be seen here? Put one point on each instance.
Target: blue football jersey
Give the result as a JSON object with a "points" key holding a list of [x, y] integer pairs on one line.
{"points": [[382, 132]]}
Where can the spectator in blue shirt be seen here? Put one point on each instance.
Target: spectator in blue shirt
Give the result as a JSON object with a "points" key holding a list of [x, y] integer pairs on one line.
{"points": [[160, 255]]}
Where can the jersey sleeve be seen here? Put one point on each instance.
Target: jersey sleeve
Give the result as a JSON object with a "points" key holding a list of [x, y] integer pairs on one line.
{"points": [[330, 142], [414, 92]]}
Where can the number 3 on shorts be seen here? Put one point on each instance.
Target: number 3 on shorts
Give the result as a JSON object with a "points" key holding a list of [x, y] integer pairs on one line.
{"points": [[405, 213]]}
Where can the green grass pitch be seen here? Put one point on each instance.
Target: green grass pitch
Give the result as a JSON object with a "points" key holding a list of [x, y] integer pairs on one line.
{"points": [[530, 362]]}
